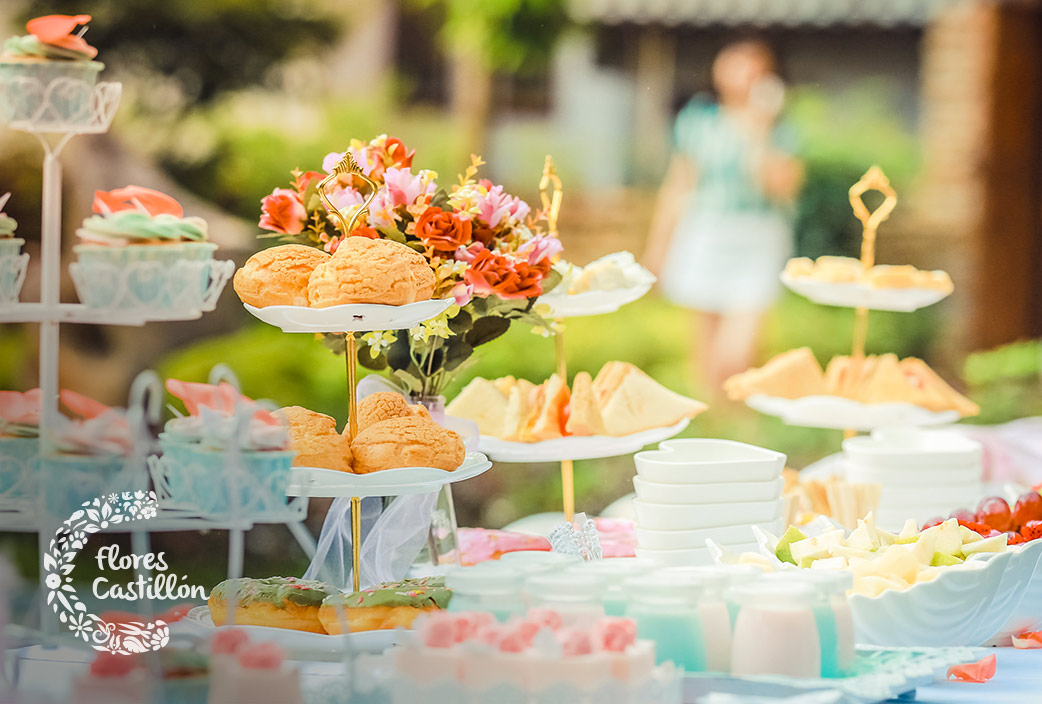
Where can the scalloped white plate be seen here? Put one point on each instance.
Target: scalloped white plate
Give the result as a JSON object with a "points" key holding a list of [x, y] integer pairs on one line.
{"points": [[858, 295], [352, 317], [298, 644], [588, 447], [577, 305], [842, 413], [318, 482]]}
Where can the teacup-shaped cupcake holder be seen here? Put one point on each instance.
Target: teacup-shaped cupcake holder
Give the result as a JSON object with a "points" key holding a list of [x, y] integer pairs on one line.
{"points": [[56, 96], [13, 265], [67, 481], [158, 281], [197, 481]]}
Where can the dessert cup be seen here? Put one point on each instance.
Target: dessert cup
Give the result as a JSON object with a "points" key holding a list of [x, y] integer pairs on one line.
{"points": [[68, 481], [191, 469], [684, 517], [12, 268], [19, 460], [42, 91], [692, 494], [157, 277]]}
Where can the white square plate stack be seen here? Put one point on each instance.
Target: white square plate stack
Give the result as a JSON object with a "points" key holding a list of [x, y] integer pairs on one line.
{"points": [[692, 490], [923, 473]]}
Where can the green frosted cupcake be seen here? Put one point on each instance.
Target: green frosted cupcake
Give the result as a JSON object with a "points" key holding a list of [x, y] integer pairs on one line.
{"points": [[51, 51], [139, 252]]}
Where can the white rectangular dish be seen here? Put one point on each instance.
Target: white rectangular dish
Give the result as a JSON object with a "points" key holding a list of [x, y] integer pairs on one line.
{"points": [[681, 517], [707, 461], [692, 494]]}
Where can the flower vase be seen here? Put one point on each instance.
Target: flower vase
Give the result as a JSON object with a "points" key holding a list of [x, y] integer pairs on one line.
{"points": [[435, 405], [442, 546]]}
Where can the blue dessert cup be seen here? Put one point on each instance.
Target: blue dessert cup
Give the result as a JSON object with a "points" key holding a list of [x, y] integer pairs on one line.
{"points": [[47, 92], [199, 479], [19, 462], [143, 276], [10, 268], [69, 481]]}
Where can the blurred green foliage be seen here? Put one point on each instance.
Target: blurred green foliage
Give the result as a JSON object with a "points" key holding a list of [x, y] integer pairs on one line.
{"points": [[841, 136], [1006, 381]]}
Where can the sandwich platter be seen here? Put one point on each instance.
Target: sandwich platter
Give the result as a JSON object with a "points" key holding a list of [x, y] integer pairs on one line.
{"points": [[588, 447], [301, 645], [351, 317], [331, 483], [841, 413], [860, 295]]}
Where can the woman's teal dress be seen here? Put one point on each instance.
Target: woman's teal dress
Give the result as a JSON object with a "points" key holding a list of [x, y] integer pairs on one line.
{"points": [[731, 242]]}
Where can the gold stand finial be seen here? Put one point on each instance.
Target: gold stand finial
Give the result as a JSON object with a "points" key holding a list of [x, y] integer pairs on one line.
{"points": [[346, 165], [551, 202]]}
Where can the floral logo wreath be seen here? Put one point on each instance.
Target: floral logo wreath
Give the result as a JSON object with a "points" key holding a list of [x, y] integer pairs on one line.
{"points": [[122, 638]]}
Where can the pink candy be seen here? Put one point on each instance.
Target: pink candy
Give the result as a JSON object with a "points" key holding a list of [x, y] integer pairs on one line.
{"points": [[615, 634], [228, 641], [545, 618], [575, 643], [262, 656]]}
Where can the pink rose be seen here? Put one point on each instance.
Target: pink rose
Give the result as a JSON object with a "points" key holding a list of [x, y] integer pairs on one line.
{"points": [[539, 248], [547, 618], [403, 187], [616, 634], [462, 293], [283, 212]]}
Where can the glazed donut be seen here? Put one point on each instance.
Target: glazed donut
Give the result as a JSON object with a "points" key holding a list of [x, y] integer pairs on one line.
{"points": [[278, 602], [390, 605]]}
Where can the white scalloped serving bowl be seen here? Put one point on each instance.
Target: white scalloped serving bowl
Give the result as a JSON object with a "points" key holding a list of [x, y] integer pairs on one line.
{"points": [[1027, 613], [682, 517], [964, 605], [691, 494], [686, 539], [708, 461]]}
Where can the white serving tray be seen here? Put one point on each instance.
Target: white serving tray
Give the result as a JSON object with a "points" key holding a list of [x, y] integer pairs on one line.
{"points": [[299, 645], [859, 295], [352, 317], [842, 413], [564, 305], [318, 482], [588, 447]]}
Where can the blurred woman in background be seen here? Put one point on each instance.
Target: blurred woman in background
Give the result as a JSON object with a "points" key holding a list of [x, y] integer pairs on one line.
{"points": [[722, 229]]}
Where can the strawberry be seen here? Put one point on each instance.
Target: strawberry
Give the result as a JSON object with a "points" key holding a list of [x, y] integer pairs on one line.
{"points": [[1032, 530], [985, 531], [1014, 538]]}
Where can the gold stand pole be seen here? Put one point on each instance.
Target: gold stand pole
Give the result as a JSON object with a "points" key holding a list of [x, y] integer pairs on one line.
{"points": [[552, 206], [347, 168], [873, 180], [567, 468]]}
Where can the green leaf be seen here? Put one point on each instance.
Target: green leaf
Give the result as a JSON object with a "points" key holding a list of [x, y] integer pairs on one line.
{"points": [[440, 199], [367, 360], [398, 353], [407, 380], [392, 233], [458, 352], [461, 323], [486, 330], [550, 281]]}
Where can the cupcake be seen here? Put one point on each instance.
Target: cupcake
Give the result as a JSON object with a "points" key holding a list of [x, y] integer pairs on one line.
{"points": [[12, 261], [196, 452], [90, 457], [19, 442], [51, 51], [140, 252]]}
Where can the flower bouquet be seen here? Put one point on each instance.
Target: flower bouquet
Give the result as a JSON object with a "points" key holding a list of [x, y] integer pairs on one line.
{"points": [[487, 249]]}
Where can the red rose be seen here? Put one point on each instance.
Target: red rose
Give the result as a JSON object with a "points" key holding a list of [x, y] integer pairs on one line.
{"points": [[443, 231], [283, 212], [397, 153]]}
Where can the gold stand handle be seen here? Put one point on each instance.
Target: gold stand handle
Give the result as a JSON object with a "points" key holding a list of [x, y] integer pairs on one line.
{"points": [[873, 180], [346, 165]]}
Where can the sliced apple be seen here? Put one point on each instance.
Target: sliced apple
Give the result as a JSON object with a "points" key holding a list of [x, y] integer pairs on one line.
{"points": [[782, 551], [942, 559], [994, 544]]}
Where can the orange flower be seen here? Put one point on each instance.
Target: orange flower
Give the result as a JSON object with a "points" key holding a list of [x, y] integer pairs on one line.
{"points": [[443, 231], [398, 154], [134, 198], [283, 212], [491, 273], [365, 231], [57, 30]]}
